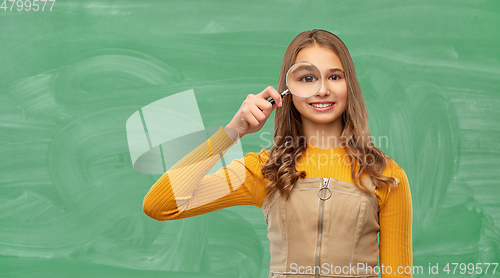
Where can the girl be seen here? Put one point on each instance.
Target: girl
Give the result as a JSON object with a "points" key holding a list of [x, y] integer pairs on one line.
{"points": [[326, 191]]}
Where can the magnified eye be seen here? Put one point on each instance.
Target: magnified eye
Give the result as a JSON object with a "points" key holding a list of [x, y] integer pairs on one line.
{"points": [[308, 78]]}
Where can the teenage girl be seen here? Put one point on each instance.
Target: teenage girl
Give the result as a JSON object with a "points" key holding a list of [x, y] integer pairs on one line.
{"points": [[325, 189]]}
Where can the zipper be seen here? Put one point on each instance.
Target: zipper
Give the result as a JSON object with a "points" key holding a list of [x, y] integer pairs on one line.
{"points": [[322, 191]]}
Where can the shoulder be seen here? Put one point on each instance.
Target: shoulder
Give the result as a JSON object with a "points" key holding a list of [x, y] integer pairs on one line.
{"points": [[402, 189], [254, 161], [262, 155], [392, 169]]}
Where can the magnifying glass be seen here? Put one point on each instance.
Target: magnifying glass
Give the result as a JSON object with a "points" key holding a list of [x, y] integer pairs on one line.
{"points": [[303, 80]]}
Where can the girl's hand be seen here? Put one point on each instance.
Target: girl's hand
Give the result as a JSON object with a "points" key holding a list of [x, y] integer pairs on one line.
{"points": [[254, 112]]}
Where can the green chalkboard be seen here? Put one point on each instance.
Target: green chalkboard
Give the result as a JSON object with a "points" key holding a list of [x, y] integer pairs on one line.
{"points": [[71, 77]]}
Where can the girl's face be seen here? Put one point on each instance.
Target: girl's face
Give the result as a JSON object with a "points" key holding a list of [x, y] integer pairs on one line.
{"points": [[333, 91]]}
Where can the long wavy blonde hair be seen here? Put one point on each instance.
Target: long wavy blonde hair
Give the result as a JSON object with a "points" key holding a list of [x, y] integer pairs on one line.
{"points": [[279, 169]]}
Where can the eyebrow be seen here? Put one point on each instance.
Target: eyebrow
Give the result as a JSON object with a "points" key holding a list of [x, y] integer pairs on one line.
{"points": [[335, 70], [303, 67]]}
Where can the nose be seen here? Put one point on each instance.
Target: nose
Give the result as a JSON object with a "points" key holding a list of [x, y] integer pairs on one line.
{"points": [[324, 90]]}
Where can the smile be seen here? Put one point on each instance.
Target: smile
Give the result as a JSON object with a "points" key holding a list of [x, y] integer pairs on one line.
{"points": [[322, 106]]}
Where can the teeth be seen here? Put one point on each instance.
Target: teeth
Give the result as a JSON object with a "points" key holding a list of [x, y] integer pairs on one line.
{"points": [[322, 105]]}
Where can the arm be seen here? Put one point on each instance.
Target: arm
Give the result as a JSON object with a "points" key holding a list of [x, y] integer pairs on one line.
{"points": [[185, 190], [396, 215]]}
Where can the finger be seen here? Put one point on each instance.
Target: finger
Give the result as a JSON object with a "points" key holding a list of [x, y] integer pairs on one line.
{"points": [[263, 104], [247, 115], [274, 104], [258, 115], [276, 96], [252, 121], [270, 92]]}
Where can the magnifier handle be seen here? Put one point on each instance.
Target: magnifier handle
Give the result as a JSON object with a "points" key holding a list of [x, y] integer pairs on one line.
{"points": [[281, 94]]}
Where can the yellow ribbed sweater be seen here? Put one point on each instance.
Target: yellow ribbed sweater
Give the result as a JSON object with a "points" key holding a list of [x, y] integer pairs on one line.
{"points": [[186, 190]]}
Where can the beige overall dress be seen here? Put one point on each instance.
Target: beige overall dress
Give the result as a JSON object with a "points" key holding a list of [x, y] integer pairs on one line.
{"points": [[327, 228]]}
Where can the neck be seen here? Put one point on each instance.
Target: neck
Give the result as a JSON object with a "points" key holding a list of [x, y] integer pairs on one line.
{"points": [[323, 135]]}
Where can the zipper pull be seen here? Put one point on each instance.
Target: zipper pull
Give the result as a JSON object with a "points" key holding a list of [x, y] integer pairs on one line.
{"points": [[325, 187], [325, 182]]}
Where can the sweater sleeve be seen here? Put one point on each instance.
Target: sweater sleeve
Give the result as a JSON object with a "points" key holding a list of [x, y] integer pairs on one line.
{"points": [[396, 215], [186, 190]]}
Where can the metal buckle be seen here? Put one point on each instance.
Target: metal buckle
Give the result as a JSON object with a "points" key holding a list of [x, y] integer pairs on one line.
{"points": [[325, 198]]}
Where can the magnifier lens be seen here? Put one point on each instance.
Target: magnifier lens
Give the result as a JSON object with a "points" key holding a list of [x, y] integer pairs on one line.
{"points": [[303, 79]]}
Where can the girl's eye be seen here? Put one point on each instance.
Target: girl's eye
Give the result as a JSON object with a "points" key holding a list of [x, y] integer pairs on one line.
{"points": [[335, 77], [308, 78]]}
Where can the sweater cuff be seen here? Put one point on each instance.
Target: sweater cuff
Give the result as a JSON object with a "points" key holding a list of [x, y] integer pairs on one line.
{"points": [[220, 141], [231, 132]]}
